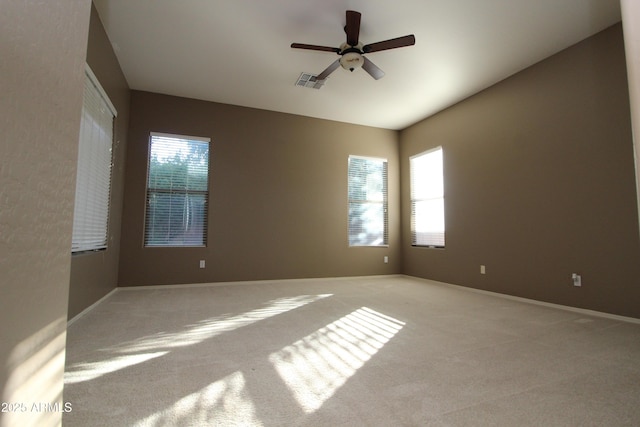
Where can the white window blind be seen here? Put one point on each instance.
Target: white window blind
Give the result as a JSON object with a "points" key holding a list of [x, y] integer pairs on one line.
{"points": [[93, 179], [427, 199], [368, 202], [177, 191]]}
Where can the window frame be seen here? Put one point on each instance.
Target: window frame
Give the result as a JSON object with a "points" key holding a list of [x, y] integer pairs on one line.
{"points": [[434, 243], [384, 202], [205, 193]]}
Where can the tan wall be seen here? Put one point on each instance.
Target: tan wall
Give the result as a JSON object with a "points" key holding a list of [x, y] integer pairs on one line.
{"points": [[42, 46], [95, 274], [539, 182], [278, 195]]}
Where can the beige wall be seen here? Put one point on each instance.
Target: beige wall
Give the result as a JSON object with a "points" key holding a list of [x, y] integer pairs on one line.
{"points": [[539, 183], [42, 46], [278, 195], [93, 275]]}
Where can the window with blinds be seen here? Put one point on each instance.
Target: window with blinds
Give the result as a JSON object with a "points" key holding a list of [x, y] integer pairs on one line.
{"points": [[93, 178], [368, 202], [177, 191], [427, 199]]}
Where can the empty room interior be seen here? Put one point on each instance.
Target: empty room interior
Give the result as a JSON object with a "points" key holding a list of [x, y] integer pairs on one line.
{"points": [[320, 213]]}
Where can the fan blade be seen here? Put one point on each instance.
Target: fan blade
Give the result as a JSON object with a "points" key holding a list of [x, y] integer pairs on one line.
{"points": [[330, 69], [390, 44], [314, 47], [372, 69], [353, 27]]}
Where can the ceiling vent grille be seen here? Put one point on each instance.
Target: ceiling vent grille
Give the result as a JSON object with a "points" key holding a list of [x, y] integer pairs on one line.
{"points": [[309, 80]]}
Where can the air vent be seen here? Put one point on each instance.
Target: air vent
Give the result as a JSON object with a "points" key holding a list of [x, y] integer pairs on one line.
{"points": [[309, 80]]}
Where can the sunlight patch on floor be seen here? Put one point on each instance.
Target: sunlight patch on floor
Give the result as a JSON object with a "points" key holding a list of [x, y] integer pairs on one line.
{"points": [[316, 366], [224, 402], [147, 348], [89, 371], [196, 333]]}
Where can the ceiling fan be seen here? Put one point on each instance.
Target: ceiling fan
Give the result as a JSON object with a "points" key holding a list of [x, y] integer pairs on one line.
{"points": [[352, 51]]}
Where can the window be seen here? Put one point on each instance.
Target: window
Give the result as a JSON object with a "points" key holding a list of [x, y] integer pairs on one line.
{"points": [[427, 199], [177, 191], [93, 177], [368, 219]]}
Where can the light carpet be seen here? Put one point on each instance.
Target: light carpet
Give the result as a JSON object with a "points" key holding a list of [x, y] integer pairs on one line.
{"points": [[374, 351]]}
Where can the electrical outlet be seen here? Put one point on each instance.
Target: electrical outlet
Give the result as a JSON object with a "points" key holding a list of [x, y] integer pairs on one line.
{"points": [[386, 259], [202, 263], [577, 279], [483, 269]]}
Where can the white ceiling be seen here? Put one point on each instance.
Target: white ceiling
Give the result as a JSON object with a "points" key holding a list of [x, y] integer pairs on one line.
{"points": [[238, 51]]}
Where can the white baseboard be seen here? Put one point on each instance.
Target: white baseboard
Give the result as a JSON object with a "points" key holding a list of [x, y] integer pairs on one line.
{"points": [[91, 307], [256, 282], [584, 311]]}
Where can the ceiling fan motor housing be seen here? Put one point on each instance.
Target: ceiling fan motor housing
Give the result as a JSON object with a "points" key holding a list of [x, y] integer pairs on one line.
{"points": [[351, 56]]}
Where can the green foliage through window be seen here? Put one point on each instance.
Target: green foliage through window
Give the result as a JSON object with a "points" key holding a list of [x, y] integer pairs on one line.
{"points": [[177, 191]]}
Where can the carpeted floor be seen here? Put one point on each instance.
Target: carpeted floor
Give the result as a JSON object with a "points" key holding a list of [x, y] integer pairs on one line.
{"points": [[377, 351]]}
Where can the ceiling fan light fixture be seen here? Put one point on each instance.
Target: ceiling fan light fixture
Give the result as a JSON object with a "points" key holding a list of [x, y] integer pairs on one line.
{"points": [[351, 61]]}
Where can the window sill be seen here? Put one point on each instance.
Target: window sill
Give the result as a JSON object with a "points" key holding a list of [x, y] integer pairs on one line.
{"points": [[427, 247]]}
